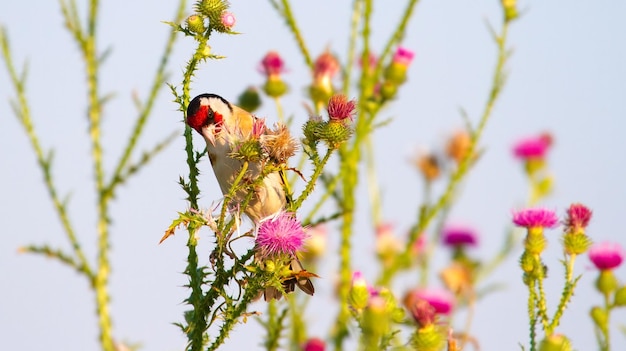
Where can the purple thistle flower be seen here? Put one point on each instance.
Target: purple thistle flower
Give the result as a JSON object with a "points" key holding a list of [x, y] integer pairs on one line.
{"points": [[403, 56], [533, 147], [281, 234], [272, 64], [441, 300], [606, 255], [340, 108], [535, 218], [314, 344], [459, 236], [578, 216]]}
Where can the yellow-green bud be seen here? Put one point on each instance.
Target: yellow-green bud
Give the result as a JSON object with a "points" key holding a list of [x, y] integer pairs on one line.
{"points": [[212, 9], [334, 133], [606, 282], [388, 90], [535, 244], [510, 9], [396, 73], [275, 87], [195, 24], [249, 150], [576, 243], [620, 297], [555, 343], [429, 338], [309, 129], [375, 317], [528, 262], [320, 94], [249, 100], [359, 297], [600, 317]]}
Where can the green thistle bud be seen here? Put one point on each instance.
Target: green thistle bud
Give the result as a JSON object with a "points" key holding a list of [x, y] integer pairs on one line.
{"points": [[430, 338], [606, 282], [309, 129], [576, 243], [333, 133], [528, 262], [212, 9], [388, 90], [195, 24], [620, 297], [396, 73], [555, 343], [535, 244], [249, 150], [320, 94], [376, 318], [275, 87], [510, 10], [249, 100], [600, 317], [358, 297]]}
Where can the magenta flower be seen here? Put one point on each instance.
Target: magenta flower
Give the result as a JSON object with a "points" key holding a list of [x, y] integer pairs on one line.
{"points": [[325, 67], [578, 216], [606, 255], [403, 56], [314, 344], [423, 313], [533, 147], [228, 20], [272, 64], [281, 234], [459, 236], [340, 108], [441, 300], [535, 218]]}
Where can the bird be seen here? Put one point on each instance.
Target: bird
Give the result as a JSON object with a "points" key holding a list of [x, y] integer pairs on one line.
{"points": [[224, 126]]}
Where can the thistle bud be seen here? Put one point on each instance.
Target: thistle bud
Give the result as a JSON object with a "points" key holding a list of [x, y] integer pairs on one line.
{"points": [[599, 317], [275, 87], [249, 100], [555, 343], [195, 24], [620, 297], [430, 338], [606, 282]]}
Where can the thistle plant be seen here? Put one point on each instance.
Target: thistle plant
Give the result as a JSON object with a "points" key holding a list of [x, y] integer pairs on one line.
{"points": [[253, 252]]}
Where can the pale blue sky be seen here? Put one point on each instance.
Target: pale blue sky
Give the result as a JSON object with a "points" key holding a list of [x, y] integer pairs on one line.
{"points": [[567, 76]]}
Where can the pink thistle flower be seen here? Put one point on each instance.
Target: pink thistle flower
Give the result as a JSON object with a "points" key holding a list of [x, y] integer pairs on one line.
{"points": [[325, 67], [535, 218], [258, 128], [228, 19], [272, 64], [578, 216], [441, 300], [606, 255], [459, 236], [314, 344], [403, 56], [280, 234], [358, 281], [340, 108], [533, 147], [423, 313]]}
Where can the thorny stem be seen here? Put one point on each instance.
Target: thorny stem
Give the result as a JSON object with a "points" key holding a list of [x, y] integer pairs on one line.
{"points": [[291, 23]]}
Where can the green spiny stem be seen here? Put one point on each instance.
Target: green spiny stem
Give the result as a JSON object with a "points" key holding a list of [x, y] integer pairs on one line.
{"points": [[232, 316], [532, 316], [22, 110], [396, 36], [566, 296], [354, 27], [541, 305], [145, 112], [319, 168], [293, 26]]}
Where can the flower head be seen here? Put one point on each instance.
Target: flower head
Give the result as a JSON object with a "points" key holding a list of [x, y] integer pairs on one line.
{"points": [[441, 300], [403, 56], [325, 67], [280, 234], [272, 64], [340, 108], [533, 147], [578, 217], [429, 165], [458, 145], [535, 218], [606, 255], [423, 313], [228, 20], [279, 144], [459, 236], [314, 344]]}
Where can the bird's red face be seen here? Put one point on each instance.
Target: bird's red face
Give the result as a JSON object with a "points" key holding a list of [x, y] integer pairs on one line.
{"points": [[207, 109]]}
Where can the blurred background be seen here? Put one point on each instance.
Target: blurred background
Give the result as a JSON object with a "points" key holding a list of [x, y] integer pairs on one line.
{"points": [[567, 76]]}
